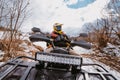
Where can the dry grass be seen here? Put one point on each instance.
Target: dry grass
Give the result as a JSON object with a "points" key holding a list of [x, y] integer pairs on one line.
{"points": [[7, 57], [11, 50], [28, 42], [14, 50], [38, 47], [33, 52]]}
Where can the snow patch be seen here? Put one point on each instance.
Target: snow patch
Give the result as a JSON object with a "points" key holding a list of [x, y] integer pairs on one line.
{"points": [[112, 50], [41, 43], [81, 50]]}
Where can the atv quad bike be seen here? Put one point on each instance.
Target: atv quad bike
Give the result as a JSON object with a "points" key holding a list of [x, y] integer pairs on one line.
{"points": [[57, 65]]}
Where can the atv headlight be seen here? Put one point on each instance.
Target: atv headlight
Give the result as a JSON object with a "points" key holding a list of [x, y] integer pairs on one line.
{"points": [[59, 58]]}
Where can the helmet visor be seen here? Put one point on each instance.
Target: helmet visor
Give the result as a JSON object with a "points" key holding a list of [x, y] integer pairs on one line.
{"points": [[58, 28]]}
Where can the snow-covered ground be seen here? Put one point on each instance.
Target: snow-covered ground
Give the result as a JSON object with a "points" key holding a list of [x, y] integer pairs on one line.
{"points": [[42, 44], [112, 50]]}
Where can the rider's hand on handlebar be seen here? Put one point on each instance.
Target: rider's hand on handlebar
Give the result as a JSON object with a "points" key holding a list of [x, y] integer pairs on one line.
{"points": [[51, 39], [68, 46]]}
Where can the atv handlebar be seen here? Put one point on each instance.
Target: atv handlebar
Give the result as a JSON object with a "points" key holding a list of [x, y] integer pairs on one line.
{"points": [[39, 37]]}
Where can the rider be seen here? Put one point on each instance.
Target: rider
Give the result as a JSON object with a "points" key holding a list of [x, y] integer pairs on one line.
{"points": [[60, 39]]}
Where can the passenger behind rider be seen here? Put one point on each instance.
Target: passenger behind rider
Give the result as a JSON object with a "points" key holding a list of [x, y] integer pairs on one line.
{"points": [[60, 39]]}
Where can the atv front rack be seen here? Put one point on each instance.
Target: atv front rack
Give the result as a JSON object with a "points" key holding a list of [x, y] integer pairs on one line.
{"points": [[18, 69]]}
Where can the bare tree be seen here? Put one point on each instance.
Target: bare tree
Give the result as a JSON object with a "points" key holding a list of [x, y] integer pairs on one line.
{"points": [[116, 20], [109, 30], [12, 15]]}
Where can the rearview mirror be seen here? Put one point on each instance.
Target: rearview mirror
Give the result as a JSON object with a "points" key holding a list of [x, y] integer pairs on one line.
{"points": [[35, 29]]}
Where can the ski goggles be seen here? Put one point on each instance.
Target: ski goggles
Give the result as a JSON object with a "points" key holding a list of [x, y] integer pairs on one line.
{"points": [[58, 28]]}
